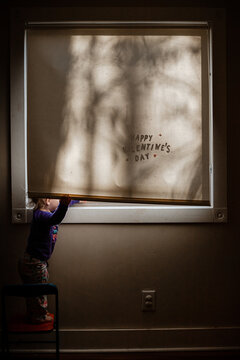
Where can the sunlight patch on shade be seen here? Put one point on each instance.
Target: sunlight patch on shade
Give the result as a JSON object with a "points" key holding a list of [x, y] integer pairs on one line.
{"points": [[98, 83]]}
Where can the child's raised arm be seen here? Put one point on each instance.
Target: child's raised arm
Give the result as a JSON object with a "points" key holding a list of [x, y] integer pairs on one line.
{"points": [[65, 200]]}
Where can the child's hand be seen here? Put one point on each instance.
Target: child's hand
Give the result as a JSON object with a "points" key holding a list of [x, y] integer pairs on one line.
{"points": [[65, 200]]}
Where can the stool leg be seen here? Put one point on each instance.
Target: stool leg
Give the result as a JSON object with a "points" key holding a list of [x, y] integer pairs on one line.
{"points": [[57, 327], [5, 346], [57, 345]]}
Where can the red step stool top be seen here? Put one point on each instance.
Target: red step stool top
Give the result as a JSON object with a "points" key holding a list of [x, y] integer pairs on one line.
{"points": [[20, 323]]}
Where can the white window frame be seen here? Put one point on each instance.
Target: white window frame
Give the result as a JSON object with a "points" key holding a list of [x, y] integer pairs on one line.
{"points": [[113, 212]]}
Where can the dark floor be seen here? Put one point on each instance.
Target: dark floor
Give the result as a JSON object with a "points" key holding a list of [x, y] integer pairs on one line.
{"points": [[176, 355]]}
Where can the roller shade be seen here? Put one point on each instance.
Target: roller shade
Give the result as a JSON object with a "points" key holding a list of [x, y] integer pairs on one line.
{"points": [[118, 114]]}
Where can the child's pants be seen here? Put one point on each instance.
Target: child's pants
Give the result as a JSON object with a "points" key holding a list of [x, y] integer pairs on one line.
{"points": [[34, 271]]}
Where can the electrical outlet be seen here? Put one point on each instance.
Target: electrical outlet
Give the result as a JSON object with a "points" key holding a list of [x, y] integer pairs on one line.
{"points": [[148, 300]]}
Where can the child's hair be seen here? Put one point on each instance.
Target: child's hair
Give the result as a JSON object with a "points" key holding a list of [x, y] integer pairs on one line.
{"points": [[39, 203]]}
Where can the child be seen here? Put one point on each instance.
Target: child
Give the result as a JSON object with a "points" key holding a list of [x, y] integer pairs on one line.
{"points": [[33, 267]]}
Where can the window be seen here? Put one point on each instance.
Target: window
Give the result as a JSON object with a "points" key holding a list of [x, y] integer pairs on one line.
{"points": [[183, 51]]}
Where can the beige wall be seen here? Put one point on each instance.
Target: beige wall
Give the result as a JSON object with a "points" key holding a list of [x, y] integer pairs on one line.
{"points": [[101, 269]]}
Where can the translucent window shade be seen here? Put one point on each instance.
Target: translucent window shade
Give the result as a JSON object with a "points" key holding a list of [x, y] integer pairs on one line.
{"points": [[118, 114]]}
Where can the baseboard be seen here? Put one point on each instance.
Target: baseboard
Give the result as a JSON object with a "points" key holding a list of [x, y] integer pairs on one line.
{"points": [[157, 339], [150, 339]]}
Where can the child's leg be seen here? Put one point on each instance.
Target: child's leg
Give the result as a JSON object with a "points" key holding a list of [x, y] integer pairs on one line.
{"points": [[34, 271]]}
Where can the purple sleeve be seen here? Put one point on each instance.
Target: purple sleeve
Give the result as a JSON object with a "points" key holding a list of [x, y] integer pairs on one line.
{"points": [[53, 218], [74, 202]]}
